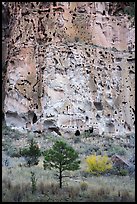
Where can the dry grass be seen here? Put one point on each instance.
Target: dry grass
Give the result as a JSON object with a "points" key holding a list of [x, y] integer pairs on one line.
{"points": [[92, 189], [16, 186], [51, 192], [16, 180]]}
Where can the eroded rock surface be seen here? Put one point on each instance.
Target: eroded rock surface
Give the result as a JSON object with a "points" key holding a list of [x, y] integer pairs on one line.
{"points": [[69, 65]]}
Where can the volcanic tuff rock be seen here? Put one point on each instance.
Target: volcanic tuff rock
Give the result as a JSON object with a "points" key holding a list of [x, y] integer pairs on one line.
{"points": [[68, 65]]}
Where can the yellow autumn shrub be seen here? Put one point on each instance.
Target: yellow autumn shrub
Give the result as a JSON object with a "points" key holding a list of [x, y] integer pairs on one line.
{"points": [[98, 164]]}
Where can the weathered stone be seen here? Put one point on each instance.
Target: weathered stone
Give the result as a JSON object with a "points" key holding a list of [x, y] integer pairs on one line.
{"points": [[71, 65]]}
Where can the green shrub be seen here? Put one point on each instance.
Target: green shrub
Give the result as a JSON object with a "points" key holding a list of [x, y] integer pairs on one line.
{"points": [[33, 182], [32, 153], [123, 172], [130, 10], [6, 130], [11, 133], [10, 148], [13, 152], [6, 144], [119, 171], [98, 164], [77, 139], [83, 186], [116, 149], [88, 133]]}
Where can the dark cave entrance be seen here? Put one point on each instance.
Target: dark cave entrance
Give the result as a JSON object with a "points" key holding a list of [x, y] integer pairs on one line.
{"points": [[34, 118]]}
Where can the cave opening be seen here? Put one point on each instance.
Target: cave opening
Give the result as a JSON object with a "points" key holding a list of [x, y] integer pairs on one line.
{"points": [[98, 105], [91, 129], [77, 133], [54, 3], [103, 12], [87, 118], [34, 118]]}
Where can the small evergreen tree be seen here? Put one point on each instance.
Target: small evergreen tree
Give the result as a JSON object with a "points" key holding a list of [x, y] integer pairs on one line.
{"points": [[62, 157], [32, 153]]}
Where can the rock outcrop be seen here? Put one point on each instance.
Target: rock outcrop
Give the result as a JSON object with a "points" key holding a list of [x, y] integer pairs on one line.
{"points": [[69, 66]]}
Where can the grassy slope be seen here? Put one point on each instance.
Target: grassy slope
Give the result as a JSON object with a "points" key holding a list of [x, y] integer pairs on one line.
{"points": [[17, 183]]}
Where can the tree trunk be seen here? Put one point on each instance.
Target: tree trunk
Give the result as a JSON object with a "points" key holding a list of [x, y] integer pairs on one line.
{"points": [[60, 178]]}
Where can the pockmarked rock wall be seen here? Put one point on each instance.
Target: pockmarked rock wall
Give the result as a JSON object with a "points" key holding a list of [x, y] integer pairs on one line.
{"points": [[69, 66]]}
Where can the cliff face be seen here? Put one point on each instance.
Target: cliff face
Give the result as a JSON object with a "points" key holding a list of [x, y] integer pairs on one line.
{"points": [[68, 65]]}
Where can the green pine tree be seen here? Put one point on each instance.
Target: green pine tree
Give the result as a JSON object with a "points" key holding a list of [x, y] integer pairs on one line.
{"points": [[62, 157], [32, 153]]}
